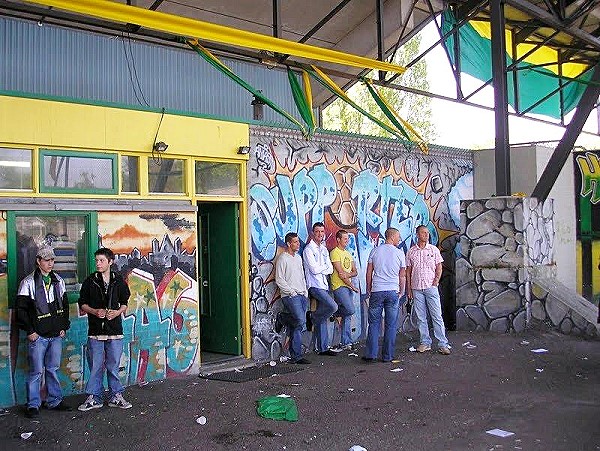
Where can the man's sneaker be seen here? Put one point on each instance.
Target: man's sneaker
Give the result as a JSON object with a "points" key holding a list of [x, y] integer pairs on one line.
{"points": [[62, 406], [89, 404], [278, 323], [32, 412], [119, 401], [444, 351], [328, 352], [423, 348]]}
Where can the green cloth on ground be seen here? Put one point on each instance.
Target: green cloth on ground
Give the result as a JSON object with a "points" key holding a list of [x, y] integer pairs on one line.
{"points": [[277, 408]]}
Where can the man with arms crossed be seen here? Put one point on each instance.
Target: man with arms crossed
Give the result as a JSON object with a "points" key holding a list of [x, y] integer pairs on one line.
{"points": [[386, 278], [317, 267], [341, 284], [289, 277], [103, 296], [424, 270]]}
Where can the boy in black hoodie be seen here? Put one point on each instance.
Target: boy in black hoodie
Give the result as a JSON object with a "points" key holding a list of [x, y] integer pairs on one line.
{"points": [[43, 313], [103, 296]]}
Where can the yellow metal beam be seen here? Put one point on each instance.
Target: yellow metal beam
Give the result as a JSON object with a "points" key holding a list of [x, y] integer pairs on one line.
{"points": [[192, 28]]}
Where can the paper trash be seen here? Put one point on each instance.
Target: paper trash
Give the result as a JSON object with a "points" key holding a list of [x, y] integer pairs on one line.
{"points": [[500, 433]]}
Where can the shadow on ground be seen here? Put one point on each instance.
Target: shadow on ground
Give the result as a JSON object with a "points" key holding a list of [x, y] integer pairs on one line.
{"points": [[550, 401]]}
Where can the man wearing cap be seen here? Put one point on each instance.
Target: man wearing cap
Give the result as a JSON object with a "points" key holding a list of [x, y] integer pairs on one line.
{"points": [[43, 313]]}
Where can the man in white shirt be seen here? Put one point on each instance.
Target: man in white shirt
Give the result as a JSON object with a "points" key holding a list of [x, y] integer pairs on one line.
{"points": [[317, 266], [289, 277]]}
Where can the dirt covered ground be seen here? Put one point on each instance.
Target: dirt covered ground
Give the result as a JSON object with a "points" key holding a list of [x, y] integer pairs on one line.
{"points": [[549, 401]]}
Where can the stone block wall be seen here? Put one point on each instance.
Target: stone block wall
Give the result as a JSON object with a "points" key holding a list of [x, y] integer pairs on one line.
{"points": [[501, 238]]}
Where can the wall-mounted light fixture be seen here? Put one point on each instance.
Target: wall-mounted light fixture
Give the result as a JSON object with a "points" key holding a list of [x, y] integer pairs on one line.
{"points": [[160, 146], [258, 112], [244, 150]]}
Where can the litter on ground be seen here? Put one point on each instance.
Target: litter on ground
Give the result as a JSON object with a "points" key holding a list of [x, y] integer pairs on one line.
{"points": [[500, 432]]}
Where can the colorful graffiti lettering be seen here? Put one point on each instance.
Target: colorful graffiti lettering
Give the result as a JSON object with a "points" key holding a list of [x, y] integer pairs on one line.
{"points": [[160, 326], [589, 167], [362, 195]]}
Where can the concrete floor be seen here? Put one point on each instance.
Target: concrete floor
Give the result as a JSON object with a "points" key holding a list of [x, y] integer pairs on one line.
{"points": [[549, 401]]}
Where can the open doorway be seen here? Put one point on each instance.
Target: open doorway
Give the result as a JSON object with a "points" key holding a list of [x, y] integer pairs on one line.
{"points": [[219, 277]]}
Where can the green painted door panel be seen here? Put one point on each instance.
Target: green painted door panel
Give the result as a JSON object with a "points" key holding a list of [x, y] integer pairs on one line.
{"points": [[219, 276]]}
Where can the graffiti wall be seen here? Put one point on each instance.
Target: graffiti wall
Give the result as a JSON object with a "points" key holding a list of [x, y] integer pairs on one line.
{"points": [[587, 205], [156, 253], [363, 186]]}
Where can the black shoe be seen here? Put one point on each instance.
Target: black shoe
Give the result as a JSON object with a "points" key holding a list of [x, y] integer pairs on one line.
{"points": [[62, 406], [278, 323], [301, 361], [309, 322], [368, 359], [328, 352], [32, 412]]}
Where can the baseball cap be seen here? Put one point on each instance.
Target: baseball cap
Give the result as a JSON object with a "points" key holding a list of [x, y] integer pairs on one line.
{"points": [[45, 253]]}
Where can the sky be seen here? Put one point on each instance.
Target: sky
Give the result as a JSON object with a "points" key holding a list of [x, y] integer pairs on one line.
{"points": [[470, 127]]}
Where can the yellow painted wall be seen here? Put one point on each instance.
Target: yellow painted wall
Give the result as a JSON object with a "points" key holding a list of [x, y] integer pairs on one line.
{"points": [[35, 124], [66, 125]]}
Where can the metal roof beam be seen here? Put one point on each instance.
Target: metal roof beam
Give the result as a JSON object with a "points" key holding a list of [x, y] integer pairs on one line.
{"points": [[563, 149], [538, 13], [323, 21]]}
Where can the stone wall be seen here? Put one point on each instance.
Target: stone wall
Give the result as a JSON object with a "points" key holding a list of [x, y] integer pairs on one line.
{"points": [[501, 238]]}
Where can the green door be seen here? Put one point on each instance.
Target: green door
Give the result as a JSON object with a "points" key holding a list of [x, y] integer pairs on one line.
{"points": [[219, 276]]}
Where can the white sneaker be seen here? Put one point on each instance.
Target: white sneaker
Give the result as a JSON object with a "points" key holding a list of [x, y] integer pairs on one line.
{"points": [[120, 402], [89, 404]]}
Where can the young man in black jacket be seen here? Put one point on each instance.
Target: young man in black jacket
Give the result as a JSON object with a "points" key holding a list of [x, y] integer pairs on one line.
{"points": [[103, 296], [43, 313]]}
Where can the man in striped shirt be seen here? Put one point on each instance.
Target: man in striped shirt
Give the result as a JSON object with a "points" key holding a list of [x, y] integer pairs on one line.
{"points": [[424, 269]]}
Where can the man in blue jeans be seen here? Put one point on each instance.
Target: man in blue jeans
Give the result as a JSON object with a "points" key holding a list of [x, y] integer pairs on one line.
{"points": [[344, 269], [103, 296], [43, 313], [317, 267], [424, 273], [289, 277], [386, 279]]}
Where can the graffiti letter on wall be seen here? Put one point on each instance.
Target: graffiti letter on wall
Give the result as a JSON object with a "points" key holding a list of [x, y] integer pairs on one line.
{"points": [[589, 165]]}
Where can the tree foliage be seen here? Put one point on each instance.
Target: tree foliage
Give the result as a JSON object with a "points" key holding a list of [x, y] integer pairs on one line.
{"points": [[415, 109]]}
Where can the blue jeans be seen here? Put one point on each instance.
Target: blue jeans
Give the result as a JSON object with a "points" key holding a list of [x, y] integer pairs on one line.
{"points": [[294, 318], [44, 358], [429, 299], [104, 354], [326, 307], [378, 302], [344, 297]]}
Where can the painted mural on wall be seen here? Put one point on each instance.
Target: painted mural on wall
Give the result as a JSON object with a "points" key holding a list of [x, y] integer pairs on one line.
{"points": [[587, 205], [156, 253], [501, 238], [363, 186]]}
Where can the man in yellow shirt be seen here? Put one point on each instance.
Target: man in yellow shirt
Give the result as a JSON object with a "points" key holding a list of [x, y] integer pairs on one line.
{"points": [[341, 284]]}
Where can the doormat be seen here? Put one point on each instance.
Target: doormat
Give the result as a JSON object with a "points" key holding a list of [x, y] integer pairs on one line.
{"points": [[252, 373]]}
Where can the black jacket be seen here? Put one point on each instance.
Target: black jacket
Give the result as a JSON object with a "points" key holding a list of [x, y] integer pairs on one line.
{"points": [[34, 314], [92, 293]]}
